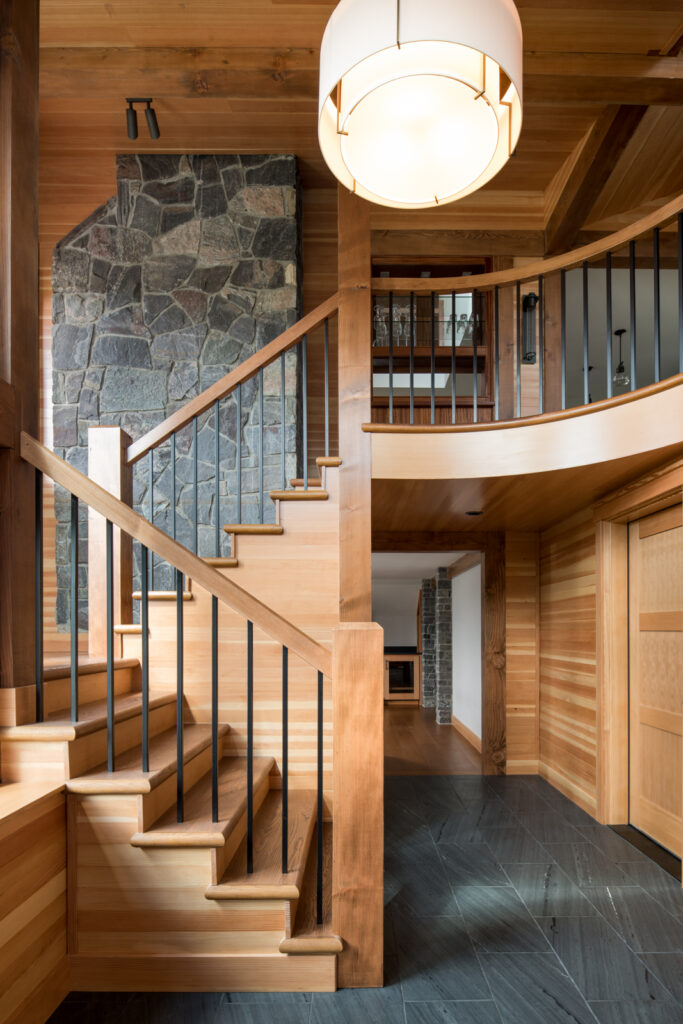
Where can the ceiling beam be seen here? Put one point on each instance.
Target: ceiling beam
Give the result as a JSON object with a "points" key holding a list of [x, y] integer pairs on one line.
{"points": [[464, 564], [592, 164], [436, 244], [603, 78]]}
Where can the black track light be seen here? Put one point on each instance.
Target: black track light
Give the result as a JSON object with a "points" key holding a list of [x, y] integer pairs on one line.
{"points": [[132, 118]]}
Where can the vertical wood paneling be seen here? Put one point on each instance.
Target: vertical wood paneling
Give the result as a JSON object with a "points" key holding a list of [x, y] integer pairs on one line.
{"points": [[568, 662], [522, 651]]}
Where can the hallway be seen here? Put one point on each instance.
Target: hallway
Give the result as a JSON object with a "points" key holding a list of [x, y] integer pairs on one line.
{"points": [[506, 904]]}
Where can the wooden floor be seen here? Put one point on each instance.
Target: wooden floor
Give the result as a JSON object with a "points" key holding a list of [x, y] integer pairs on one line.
{"points": [[415, 745]]}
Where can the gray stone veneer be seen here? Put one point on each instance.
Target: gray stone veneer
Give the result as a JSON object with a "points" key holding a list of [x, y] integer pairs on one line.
{"points": [[188, 270], [428, 606], [444, 648]]}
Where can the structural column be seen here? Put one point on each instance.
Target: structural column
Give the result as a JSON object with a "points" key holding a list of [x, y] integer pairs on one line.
{"points": [[428, 644], [444, 647]]}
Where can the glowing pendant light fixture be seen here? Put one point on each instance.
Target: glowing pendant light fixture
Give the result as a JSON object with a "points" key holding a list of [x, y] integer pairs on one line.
{"points": [[420, 100]]}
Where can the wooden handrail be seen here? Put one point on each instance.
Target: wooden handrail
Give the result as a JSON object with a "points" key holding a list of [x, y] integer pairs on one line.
{"points": [[532, 270], [249, 368], [136, 526]]}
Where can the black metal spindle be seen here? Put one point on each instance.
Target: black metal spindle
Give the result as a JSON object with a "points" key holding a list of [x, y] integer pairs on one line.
{"points": [[563, 335], [412, 358], [283, 418], [150, 461], [74, 608], [111, 746], [173, 484], [433, 361], [217, 462], [475, 375], [518, 319], [680, 293], [496, 354], [238, 456], [608, 326], [214, 709], [144, 622], [541, 347], [304, 395], [586, 364], [327, 387], [391, 357], [319, 873], [195, 484], [250, 747], [260, 443], [453, 367], [285, 760], [39, 594], [632, 310], [180, 745], [657, 326]]}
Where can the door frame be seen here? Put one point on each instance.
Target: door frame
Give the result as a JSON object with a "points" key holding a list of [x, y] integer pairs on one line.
{"points": [[612, 515]]}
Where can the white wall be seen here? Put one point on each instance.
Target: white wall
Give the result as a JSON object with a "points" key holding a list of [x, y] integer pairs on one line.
{"points": [[466, 604], [394, 607]]}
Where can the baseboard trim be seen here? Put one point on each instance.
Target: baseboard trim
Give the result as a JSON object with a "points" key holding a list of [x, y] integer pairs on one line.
{"points": [[467, 734]]}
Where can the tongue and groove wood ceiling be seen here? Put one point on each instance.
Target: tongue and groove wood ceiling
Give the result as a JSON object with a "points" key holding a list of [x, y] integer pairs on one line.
{"points": [[602, 140]]}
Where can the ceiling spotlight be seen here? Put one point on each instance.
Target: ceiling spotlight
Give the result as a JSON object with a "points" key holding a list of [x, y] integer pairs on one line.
{"points": [[132, 118]]}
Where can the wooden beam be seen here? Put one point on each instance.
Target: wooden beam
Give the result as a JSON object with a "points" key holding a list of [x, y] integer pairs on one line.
{"points": [[426, 244], [493, 710], [355, 381], [603, 78], [463, 564], [427, 540], [596, 159]]}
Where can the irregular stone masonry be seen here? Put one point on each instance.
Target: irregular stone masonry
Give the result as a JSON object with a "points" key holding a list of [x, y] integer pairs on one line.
{"points": [[444, 648], [189, 269], [428, 606]]}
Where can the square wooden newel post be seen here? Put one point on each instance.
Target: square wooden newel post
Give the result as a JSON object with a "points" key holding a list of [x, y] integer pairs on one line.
{"points": [[108, 466]]}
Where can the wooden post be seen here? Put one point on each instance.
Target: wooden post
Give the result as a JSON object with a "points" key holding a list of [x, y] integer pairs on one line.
{"points": [[108, 466], [552, 336], [19, 360], [355, 389], [494, 752], [358, 843], [507, 343]]}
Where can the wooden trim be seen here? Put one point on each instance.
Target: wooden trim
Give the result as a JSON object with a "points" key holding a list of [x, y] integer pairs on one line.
{"points": [[467, 734], [416, 695], [659, 489], [190, 565], [222, 387], [8, 415], [660, 522], [463, 564], [481, 282], [494, 746]]}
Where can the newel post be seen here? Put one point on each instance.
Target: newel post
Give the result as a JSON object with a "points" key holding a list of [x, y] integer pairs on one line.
{"points": [[358, 836], [108, 466]]}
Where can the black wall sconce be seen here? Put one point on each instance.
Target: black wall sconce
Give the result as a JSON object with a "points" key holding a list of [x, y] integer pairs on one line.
{"points": [[132, 118], [529, 306]]}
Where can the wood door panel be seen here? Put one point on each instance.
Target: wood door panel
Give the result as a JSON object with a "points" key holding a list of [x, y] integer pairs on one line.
{"points": [[656, 677]]}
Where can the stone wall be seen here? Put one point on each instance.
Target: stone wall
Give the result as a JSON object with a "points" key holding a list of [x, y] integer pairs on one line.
{"points": [[428, 644], [189, 269], [444, 647]]}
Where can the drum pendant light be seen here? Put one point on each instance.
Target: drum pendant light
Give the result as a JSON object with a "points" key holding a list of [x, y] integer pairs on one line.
{"points": [[420, 100]]}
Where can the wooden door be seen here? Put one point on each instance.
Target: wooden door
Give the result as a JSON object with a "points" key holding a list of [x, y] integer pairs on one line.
{"points": [[656, 676]]}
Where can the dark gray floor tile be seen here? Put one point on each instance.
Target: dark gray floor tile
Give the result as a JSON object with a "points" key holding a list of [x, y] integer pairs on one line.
{"points": [[600, 962], [461, 826], [437, 961], [185, 1008], [498, 921], [103, 1008], [550, 828], [658, 883], [641, 922], [669, 969], [471, 788], [472, 864], [586, 865], [351, 1005], [481, 1012], [415, 878], [636, 1013], [611, 844], [533, 989], [279, 998], [514, 846], [548, 892]]}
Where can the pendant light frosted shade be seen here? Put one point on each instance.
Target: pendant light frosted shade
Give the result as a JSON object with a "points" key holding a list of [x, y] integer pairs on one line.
{"points": [[420, 100]]}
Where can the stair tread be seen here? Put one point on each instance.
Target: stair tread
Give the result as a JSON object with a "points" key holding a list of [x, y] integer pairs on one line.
{"points": [[255, 528], [198, 829], [331, 461], [91, 717], [86, 668], [128, 776], [267, 880], [162, 595], [222, 562], [299, 482], [316, 494]]}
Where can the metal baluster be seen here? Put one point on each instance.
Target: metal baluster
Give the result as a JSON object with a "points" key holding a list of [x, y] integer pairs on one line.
{"points": [[39, 595], [541, 346], [563, 334], [304, 390], [144, 622], [391, 357], [250, 747], [657, 304], [453, 368], [214, 709], [195, 484], [150, 460], [632, 310], [111, 746], [586, 382], [680, 293], [283, 413], [74, 608], [285, 760], [496, 355], [327, 388], [217, 460], [519, 350], [180, 745], [412, 359], [319, 873], [433, 362], [239, 457], [475, 376], [608, 300], [173, 481], [260, 443]]}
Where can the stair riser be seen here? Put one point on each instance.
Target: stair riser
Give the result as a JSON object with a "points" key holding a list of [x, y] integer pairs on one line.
{"points": [[27, 761], [57, 692], [89, 751], [222, 855], [152, 805]]}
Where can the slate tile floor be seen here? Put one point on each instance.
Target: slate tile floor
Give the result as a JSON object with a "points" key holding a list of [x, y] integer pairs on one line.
{"points": [[505, 904]]}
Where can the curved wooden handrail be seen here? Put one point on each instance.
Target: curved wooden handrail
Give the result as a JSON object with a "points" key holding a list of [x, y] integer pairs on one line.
{"points": [[249, 368], [483, 282], [136, 526], [526, 421]]}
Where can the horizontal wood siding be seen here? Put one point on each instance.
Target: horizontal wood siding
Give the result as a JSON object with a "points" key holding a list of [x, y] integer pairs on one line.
{"points": [[522, 651]]}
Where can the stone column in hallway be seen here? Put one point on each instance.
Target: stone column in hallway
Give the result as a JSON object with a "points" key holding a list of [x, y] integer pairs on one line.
{"points": [[444, 648], [428, 644]]}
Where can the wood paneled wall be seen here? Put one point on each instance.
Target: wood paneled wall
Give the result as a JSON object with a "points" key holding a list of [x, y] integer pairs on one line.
{"points": [[568, 751], [522, 652], [33, 966]]}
